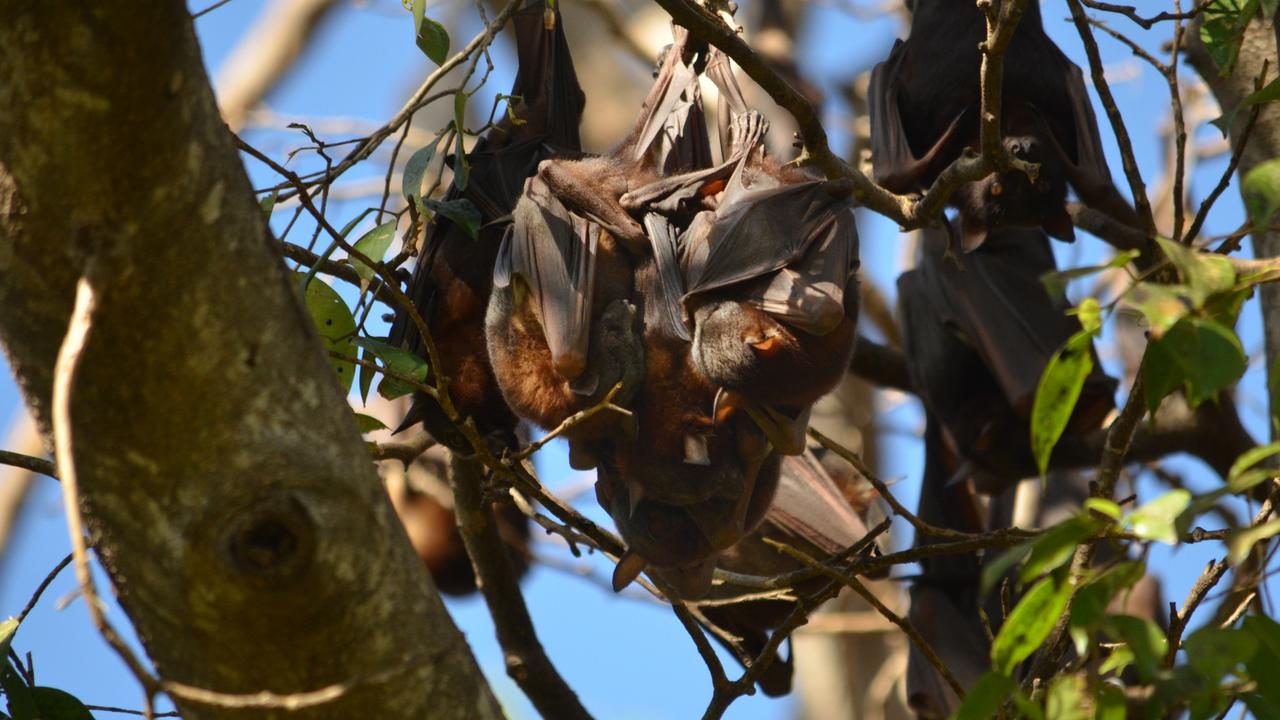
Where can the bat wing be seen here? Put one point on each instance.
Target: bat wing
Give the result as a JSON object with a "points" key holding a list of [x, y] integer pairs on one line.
{"points": [[664, 309], [1089, 174], [676, 86], [546, 82], [551, 250], [893, 163], [999, 304], [805, 228], [810, 506]]}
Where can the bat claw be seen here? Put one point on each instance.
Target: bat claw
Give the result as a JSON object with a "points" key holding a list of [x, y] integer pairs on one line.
{"points": [[629, 567]]}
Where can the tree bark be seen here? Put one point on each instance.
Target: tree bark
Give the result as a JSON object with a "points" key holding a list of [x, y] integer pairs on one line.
{"points": [[1258, 47], [226, 488]]}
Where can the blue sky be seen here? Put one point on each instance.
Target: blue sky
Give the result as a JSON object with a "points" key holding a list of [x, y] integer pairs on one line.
{"points": [[626, 658]]}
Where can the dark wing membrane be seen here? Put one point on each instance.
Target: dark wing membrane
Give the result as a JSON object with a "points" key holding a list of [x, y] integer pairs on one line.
{"points": [[893, 164], [546, 82], [808, 505], [810, 294], [999, 304], [767, 230], [551, 250], [663, 309], [550, 109]]}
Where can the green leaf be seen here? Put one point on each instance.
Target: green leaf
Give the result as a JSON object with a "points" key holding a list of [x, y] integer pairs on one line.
{"points": [[1055, 283], [1157, 520], [1161, 305], [1238, 479], [22, 705], [398, 361], [461, 211], [368, 423], [334, 322], [1261, 190], [373, 245], [366, 374], [1240, 542], [1117, 660], [432, 38], [1264, 666], [8, 629], [1109, 703], [1055, 546], [461, 168], [1089, 610], [1089, 313], [415, 171], [1202, 355], [1144, 639], [1104, 507], [1067, 699], [1029, 624], [1214, 652], [1269, 93], [268, 203], [55, 704], [1056, 398], [985, 697], [997, 568], [1202, 275], [1221, 29]]}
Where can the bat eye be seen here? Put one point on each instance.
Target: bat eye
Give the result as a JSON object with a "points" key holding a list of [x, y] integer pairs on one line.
{"points": [[997, 189]]}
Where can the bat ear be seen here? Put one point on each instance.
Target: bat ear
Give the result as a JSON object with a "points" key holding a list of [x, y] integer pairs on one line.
{"points": [[629, 567], [1058, 223], [695, 450]]}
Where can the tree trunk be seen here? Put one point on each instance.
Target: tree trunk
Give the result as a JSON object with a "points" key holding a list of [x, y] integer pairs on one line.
{"points": [[1257, 48], [227, 491]]}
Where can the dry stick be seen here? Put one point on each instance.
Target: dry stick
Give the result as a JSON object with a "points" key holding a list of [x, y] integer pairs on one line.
{"points": [[1147, 23], [527, 663], [64, 372], [415, 102], [921, 644], [1170, 74], [44, 584], [1178, 619], [606, 403], [27, 462], [406, 452], [1127, 157]]}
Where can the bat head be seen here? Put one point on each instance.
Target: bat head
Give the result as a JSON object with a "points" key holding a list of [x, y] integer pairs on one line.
{"points": [[1012, 199]]}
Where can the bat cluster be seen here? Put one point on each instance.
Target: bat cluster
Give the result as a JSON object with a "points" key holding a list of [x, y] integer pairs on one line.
{"points": [[720, 294], [979, 334]]}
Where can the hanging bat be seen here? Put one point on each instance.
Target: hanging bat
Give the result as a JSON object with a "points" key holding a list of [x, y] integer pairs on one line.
{"points": [[453, 277], [685, 488], [766, 278], [925, 102], [977, 341], [572, 252]]}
